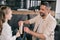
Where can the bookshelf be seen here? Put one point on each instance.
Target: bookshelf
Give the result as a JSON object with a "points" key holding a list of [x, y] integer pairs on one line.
{"points": [[26, 4]]}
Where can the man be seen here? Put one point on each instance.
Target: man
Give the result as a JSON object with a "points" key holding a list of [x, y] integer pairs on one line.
{"points": [[44, 24]]}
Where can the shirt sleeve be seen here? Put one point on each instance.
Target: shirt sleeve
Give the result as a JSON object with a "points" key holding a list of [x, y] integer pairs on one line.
{"points": [[33, 20], [50, 29], [7, 34]]}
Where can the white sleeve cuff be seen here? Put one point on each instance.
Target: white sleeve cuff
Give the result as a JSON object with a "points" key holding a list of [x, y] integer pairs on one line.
{"points": [[14, 38]]}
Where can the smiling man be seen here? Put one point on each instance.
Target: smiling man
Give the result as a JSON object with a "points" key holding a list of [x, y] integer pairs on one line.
{"points": [[44, 24]]}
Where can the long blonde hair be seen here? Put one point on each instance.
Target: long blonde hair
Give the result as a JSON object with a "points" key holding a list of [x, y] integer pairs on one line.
{"points": [[3, 12]]}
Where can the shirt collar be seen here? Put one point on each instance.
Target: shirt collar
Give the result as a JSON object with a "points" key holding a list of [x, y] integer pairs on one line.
{"points": [[47, 17]]}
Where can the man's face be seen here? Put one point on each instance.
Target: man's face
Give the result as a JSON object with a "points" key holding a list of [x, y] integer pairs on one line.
{"points": [[43, 10]]}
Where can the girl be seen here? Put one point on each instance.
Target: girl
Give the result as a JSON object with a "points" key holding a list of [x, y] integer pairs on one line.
{"points": [[5, 29]]}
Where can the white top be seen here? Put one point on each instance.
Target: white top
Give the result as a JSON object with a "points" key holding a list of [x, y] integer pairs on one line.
{"points": [[7, 32], [45, 26]]}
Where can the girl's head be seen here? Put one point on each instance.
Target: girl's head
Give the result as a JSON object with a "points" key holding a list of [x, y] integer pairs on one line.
{"points": [[5, 14], [7, 11]]}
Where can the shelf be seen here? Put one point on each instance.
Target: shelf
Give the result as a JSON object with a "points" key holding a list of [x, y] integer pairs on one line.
{"points": [[47, 0]]}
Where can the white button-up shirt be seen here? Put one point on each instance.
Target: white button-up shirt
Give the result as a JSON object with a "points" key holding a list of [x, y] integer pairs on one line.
{"points": [[7, 33], [45, 26]]}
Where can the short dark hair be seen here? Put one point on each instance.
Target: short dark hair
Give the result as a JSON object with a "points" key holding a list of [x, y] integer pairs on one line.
{"points": [[45, 3]]}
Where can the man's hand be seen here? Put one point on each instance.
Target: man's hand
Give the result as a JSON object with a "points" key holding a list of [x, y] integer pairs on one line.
{"points": [[27, 30], [20, 23], [26, 22]]}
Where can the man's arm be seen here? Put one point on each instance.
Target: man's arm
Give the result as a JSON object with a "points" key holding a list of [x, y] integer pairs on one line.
{"points": [[38, 35], [33, 20]]}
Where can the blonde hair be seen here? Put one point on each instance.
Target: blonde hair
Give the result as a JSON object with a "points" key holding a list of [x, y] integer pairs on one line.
{"points": [[3, 11]]}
